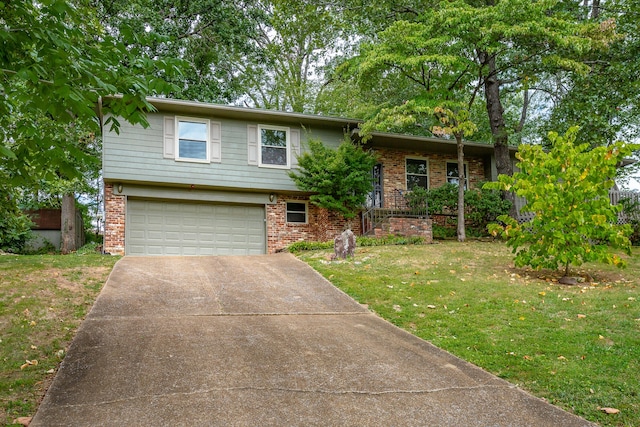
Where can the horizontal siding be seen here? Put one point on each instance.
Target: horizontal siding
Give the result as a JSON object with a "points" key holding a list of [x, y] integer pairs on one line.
{"points": [[136, 154]]}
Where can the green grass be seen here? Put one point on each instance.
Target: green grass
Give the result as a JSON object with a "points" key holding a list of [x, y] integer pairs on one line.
{"points": [[43, 299], [578, 347]]}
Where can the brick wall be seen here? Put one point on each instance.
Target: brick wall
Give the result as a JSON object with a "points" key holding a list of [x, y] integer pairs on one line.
{"points": [[406, 227], [115, 208], [321, 226], [394, 177]]}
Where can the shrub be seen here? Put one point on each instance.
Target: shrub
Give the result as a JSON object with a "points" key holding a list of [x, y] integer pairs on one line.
{"points": [[362, 241], [631, 209], [482, 206], [15, 228]]}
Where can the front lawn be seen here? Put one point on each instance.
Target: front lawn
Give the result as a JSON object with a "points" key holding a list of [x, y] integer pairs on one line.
{"points": [[43, 299], [576, 346]]}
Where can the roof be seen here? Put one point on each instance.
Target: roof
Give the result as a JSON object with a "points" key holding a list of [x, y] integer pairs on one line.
{"points": [[243, 113]]}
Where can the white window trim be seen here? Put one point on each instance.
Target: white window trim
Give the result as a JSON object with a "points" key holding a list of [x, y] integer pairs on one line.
{"points": [[306, 211], [406, 183], [466, 176], [288, 148], [207, 144]]}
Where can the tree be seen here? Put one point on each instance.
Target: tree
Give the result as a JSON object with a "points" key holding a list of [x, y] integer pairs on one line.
{"points": [[491, 49], [339, 179], [292, 41], [56, 64], [206, 35], [604, 101], [567, 188]]}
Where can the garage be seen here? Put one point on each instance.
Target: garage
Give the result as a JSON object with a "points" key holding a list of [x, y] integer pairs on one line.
{"points": [[156, 227]]}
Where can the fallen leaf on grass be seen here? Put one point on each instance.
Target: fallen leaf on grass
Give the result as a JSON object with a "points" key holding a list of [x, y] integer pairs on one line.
{"points": [[23, 421], [610, 410], [431, 306], [397, 308], [29, 363], [562, 358], [581, 316]]}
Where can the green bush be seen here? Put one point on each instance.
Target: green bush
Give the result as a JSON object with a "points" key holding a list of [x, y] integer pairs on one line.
{"points": [[15, 228], [631, 209], [443, 199], [442, 232], [361, 241], [482, 206]]}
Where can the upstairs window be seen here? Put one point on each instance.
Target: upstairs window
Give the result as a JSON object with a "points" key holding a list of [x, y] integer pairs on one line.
{"points": [[417, 173], [274, 146], [453, 177], [193, 140]]}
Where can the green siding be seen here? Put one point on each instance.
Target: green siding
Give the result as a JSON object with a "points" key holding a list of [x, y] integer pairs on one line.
{"points": [[136, 155]]}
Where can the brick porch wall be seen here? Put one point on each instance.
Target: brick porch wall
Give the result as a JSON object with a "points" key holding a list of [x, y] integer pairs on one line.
{"points": [[407, 227], [114, 207], [322, 225], [394, 177]]}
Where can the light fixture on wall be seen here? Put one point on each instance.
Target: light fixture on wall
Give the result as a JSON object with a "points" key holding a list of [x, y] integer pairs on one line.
{"points": [[272, 197], [119, 188]]}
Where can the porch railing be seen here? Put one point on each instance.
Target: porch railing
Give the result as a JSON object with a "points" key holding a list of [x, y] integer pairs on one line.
{"points": [[401, 204]]}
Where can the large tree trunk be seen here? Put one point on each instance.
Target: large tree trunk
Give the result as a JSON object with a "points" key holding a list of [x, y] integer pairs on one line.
{"points": [[461, 180], [68, 223], [497, 123]]}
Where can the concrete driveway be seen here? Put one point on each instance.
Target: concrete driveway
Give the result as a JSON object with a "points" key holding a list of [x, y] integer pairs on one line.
{"points": [[263, 341]]}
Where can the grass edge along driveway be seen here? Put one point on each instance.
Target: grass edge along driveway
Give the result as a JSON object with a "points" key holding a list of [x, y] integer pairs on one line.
{"points": [[43, 300], [578, 347]]}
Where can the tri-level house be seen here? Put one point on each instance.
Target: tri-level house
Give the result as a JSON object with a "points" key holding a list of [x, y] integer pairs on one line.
{"points": [[206, 179]]}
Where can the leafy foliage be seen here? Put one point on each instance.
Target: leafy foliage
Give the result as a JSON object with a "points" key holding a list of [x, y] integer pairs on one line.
{"points": [[631, 209], [15, 227], [339, 179], [56, 64], [567, 190], [482, 206], [362, 241]]}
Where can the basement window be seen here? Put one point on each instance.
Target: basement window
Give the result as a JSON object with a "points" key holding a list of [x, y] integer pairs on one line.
{"points": [[297, 212]]}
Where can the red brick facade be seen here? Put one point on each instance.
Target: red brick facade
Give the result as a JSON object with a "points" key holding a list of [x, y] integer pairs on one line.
{"points": [[114, 221], [394, 165], [407, 227], [321, 225]]}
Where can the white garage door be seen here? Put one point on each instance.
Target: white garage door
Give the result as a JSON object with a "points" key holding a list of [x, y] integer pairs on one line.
{"points": [[181, 228]]}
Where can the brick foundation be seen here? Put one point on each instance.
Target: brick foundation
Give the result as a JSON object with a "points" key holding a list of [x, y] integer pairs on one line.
{"points": [[407, 227], [114, 221], [322, 225]]}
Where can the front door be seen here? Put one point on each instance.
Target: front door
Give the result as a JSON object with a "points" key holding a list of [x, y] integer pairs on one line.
{"points": [[375, 199]]}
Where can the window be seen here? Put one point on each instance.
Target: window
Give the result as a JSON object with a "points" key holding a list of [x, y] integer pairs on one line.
{"points": [[193, 140], [297, 212], [417, 173], [453, 175], [274, 146]]}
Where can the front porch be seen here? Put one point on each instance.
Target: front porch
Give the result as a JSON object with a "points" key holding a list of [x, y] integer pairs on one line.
{"points": [[403, 214]]}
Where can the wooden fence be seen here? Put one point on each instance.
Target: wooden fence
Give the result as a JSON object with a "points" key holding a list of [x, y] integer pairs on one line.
{"points": [[614, 195]]}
